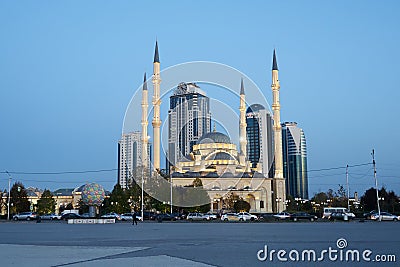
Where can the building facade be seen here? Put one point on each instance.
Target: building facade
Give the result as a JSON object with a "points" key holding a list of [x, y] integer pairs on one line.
{"points": [[129, 157], [260, 139], [295, 160], [189, 118]]}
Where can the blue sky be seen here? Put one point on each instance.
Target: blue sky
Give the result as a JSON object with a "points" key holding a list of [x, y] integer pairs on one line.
{"points": [[69, 69]]}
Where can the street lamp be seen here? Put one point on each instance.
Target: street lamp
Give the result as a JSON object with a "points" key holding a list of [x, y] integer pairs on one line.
{"points": [[9, 196]]}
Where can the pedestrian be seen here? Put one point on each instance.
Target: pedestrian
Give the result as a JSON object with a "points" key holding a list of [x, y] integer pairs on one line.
{"points": [[134, 219]]}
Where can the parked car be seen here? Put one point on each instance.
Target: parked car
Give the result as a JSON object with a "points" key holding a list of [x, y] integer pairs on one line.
{"points": [[230, 217], [25, 216], [245, 216], [266, 217], [385, 216], [164, 217], [367, 215], [210, 216], [302, 216], [147, 215], [111, 215], [50, 216], [85, 215], [282, 216], [128, 217], [339, 216], [196, 217], [67, 216]]}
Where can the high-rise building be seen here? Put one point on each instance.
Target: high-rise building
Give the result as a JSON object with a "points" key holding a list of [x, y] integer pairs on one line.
{"points": [[189, 118], [129, 157], [295, 160], [260, 139]]}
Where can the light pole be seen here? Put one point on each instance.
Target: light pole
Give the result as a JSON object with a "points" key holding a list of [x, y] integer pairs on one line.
{"points": [[348, 192], [142, 198], [170, 180], [376, 184], [9, 196]]}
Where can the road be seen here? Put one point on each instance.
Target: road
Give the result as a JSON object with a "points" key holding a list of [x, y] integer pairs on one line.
{"points": [[195, 244]]}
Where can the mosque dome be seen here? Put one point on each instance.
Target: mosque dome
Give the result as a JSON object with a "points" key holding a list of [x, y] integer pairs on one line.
{"points": [[255, 108], [223, 156], [214, 137]]}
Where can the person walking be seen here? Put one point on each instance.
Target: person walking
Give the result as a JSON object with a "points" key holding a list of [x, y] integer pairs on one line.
{"points": [[134, 219]]}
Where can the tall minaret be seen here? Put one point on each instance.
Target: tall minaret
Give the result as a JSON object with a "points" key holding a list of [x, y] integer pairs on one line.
{"points": [[243, 125], [279, 181], [156, 109], [145, 123]]}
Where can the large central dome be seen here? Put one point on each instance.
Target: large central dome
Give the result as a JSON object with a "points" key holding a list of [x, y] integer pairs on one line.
{"points": [[214, 137]]}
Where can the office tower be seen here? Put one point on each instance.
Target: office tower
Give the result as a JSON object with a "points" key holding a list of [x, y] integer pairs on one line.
{"points": [[189, 118], [295, 160], [260, 139], [130, 148]]}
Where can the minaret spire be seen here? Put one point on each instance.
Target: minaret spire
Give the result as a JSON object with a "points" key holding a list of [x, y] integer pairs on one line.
{"points": [[156, 122], [243, 124], [274, 62], [279, 186], [156, 56], [144, 123]]}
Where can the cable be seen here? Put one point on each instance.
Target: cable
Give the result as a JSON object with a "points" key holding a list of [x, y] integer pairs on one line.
{"points": [[337, 168], [65, 172]]}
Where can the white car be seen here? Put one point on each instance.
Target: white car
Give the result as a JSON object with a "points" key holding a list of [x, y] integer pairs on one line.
{"points": [[196, 217], [50, 216], [210, 216], [282, 216], [128, 217], [245, 216], [230, 217], [111, 215], [385, 216]]}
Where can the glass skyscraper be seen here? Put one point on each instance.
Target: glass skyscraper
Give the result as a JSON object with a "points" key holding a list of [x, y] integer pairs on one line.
{"points": [[295, 160], [259, 139], [189, 118]]}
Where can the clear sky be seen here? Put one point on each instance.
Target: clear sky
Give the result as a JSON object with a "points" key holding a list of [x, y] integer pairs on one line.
{"points": [[68, 70]]}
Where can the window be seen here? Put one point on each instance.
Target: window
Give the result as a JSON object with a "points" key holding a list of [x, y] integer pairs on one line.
{"points": [[261, 204]]}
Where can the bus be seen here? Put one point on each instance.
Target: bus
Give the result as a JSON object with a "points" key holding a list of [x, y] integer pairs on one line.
{"points": [[328, 211]]}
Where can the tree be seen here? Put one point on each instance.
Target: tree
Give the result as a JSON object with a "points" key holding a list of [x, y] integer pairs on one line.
{"points": [[19, 198], [46, 203], [241, 205], [118, 201]]}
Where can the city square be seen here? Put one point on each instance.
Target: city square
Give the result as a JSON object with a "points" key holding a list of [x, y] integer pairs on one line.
{"points": [[189, 244]]}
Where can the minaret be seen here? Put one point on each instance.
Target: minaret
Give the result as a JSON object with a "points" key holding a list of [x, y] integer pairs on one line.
{"points": [[145, 123], [156, 109], [243, 125], [279, 181]]}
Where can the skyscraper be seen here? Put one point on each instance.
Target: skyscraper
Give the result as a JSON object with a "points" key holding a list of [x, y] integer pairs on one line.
{"points": [[295, 160], [130, 148], [189, 118], [259, 139]]}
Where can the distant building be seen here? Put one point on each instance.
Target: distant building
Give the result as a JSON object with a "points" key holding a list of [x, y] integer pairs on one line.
{"points": [[295, 160], [189, 118], [260, 139], [129, 157]]}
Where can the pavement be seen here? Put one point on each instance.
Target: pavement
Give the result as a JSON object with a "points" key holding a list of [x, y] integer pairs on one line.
{"points": [[192, 244]]}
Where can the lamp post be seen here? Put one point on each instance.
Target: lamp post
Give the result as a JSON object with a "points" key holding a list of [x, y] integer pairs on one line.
{"points": [[142, 198], [170, 180], [9, 196]]}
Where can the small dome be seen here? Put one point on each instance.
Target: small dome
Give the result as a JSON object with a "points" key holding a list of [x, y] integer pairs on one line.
{"points": [[214, 137], [177, 174], [258, 175], [255, 108], [191, 174], [227, 174]]}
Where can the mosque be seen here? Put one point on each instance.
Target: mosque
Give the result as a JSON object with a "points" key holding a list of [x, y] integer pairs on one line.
{"points": [[223, 169]]}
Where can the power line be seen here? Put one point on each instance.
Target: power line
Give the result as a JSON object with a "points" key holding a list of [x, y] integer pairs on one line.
{"points": [[337, 168], [58, 173]]}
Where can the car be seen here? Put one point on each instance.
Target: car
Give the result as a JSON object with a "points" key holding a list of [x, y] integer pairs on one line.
{"points": [[164, 217], [385, 216], [85, 215], [25, 216], [111, 215], [266, 217], [67, 216], [128, 217], [147, 215], [303, 216], [339, 216], [367, 215], [245, 216], [282, 216], [196, 217], [230, 217], [210, 216], [50, 216]]}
